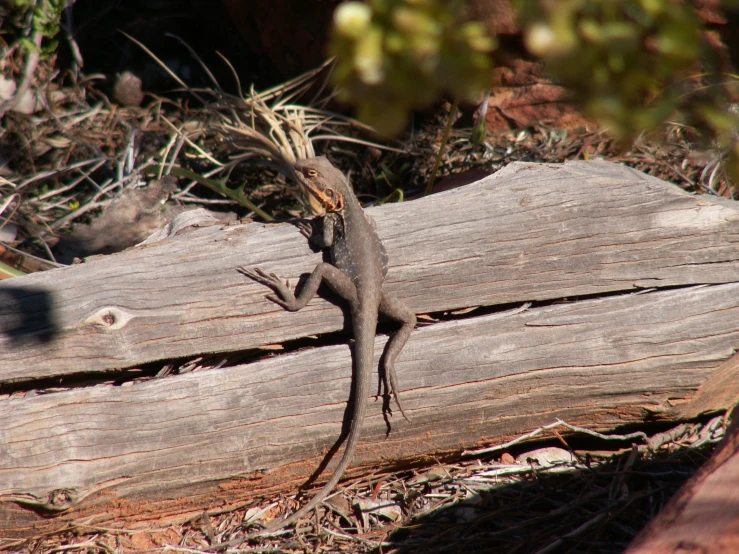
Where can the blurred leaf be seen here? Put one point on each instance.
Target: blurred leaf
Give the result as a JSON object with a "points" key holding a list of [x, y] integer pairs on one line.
{"points": [[623, 59], [479, 131], [6, 271], [394, 56]]}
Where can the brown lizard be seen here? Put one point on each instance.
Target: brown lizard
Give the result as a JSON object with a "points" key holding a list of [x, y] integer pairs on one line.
{"points": [[358, 270]]}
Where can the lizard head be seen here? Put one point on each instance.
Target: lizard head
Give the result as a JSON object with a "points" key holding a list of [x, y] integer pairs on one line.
{"points": [[322, 181]]}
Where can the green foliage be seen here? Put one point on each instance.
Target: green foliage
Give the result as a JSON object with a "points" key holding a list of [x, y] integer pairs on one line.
{"points": [[634, 64], [627, 61], [631, 64], [44, 20], [396, 55]]}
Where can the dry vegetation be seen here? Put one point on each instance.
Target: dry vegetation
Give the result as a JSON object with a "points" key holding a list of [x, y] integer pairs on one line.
{"points": [[66, 163]]}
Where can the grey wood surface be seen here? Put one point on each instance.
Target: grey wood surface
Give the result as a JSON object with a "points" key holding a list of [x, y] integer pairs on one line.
{"points": [[170, 447], [529, 232], [602, 363]]}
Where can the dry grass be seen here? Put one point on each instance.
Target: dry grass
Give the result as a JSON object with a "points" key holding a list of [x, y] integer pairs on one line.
{"points": [[70, 161]]}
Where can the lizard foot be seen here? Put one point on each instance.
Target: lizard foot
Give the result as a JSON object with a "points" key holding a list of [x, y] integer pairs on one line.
{"points": [[305, 229], [274, 282]]}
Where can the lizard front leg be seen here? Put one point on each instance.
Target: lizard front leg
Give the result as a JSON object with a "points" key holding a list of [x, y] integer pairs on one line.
{"points": [[321, 231], [323, 273], [337, 280]]}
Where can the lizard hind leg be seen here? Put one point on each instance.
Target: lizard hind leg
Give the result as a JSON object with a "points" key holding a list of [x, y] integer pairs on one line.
{"points": [[396, 310]]}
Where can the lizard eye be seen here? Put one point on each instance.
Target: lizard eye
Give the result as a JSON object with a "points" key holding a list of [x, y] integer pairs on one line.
{"points": [[312, 173]]}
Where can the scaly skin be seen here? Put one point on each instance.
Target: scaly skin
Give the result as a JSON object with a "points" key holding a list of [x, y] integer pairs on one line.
{"points": [[358, 270]]}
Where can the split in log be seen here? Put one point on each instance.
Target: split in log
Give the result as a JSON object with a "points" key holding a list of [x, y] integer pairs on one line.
{"points": [[635, 291]]}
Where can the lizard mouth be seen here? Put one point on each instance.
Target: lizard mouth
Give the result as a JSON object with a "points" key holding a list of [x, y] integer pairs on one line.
{"points": [[330, 199]]}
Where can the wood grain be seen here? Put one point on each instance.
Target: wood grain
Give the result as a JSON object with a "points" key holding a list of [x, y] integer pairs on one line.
{"points": [[529, 232], [169, 448], [605, 362]]}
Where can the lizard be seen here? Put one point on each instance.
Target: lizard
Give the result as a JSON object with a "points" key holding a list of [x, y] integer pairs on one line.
{"points": [[358, 269]]}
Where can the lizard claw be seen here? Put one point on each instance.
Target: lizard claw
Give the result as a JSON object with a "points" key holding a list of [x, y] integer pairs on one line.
{"points": [[259, 275], [248, 272], [400, 406], [285, 298], [305, 229]]}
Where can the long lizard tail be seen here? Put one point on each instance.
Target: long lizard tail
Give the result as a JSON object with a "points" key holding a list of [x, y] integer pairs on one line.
{"points": [[364, 351]]}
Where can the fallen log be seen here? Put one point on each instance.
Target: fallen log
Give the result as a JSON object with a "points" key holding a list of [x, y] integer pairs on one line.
{"points": [[635, 292]]}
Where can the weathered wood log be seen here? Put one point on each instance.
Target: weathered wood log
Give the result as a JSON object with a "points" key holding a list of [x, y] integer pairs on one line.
{"points": [[528, 233], [167, 448]]}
